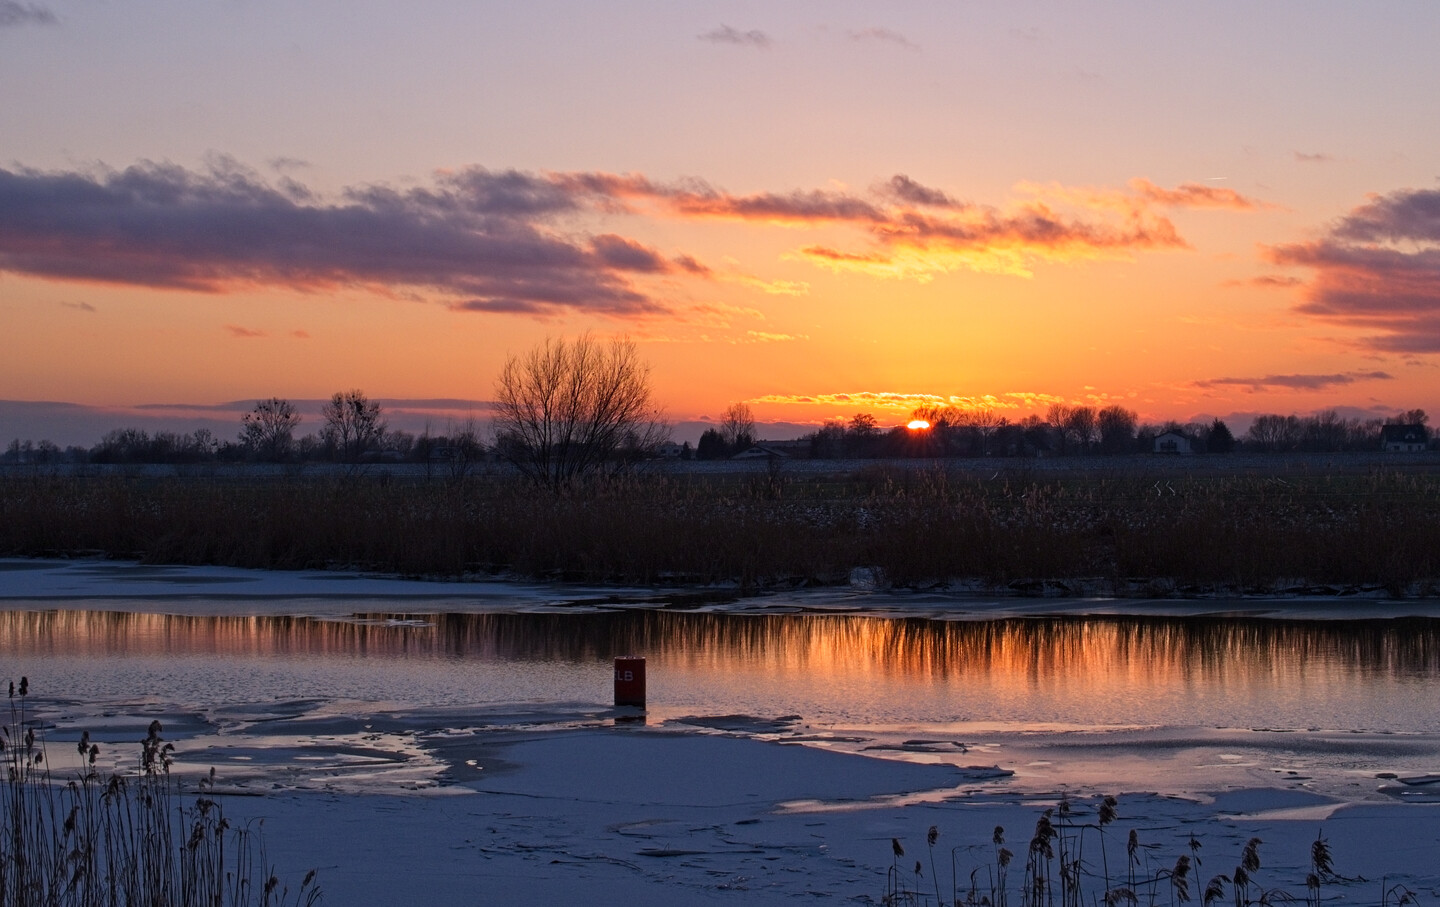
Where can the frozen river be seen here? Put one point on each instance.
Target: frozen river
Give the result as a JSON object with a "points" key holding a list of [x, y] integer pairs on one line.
{"points": [[1172, 696]]}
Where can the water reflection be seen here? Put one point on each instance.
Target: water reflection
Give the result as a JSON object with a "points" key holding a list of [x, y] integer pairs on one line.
{"points": [[1098, 670]]}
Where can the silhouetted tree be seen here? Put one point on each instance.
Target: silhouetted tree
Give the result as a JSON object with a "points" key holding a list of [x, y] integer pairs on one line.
{"points": [[352, 424], [566, 409], [1219, 440], [737, 427], [862, 436], [1117, 429], [268, 430], [712, 446]]}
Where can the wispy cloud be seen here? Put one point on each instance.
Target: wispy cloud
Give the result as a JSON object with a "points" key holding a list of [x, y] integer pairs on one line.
{"points": [[244, 333], [883, 35], [79, 306], [1378, 268], [14, 15], [1317, 158], [1295, 382], [727, 35], [916, 230], [1268, 282]]}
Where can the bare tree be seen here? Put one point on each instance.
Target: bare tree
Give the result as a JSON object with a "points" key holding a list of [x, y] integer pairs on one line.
{"points": [[567, 409], [268, 430], [1081, 425], [737, 427], [1117, 429], [352, 424]]}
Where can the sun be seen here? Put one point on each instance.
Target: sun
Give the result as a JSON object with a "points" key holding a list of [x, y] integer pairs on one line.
{"points": [[918, 425]]}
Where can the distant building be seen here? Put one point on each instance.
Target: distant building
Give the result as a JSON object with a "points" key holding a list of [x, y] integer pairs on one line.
{"points": [[670, 451], [1404, 438], [775, 450], [1173, 442]]}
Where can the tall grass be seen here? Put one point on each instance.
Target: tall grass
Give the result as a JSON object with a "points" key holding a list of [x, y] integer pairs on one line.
{"points": [[122, 840], [1125, 534], [1057, 871]]}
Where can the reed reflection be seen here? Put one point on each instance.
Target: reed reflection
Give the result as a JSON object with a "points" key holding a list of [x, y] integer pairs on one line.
{"points": [[1147, 652]]}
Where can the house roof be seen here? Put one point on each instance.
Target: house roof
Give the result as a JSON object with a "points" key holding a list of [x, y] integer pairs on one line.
{"points": [[1404, 434]]}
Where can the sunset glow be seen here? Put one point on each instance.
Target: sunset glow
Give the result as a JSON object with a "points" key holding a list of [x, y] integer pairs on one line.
{"points": [[918, 425], [1134, 204]]}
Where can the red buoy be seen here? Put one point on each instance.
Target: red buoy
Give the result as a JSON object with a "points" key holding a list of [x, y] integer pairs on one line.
{"points": [[630, 681]]}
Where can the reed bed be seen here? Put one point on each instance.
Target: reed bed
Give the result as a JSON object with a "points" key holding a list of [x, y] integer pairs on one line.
{"points": [[1075, 858], [1122, 534], [122, 840]]}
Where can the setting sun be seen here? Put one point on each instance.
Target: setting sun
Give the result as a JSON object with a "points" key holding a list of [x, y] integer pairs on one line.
{"points": [[918, 425]]}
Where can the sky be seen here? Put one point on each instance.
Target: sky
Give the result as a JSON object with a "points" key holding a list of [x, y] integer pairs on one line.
{"points": [[815, 208]]}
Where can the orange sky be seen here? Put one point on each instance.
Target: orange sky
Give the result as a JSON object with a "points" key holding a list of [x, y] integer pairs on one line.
{"points": [[819, 210]]}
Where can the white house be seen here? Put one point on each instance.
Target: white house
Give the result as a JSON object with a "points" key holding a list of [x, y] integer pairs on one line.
{"points": [[1172, 442], [1404, 438]]}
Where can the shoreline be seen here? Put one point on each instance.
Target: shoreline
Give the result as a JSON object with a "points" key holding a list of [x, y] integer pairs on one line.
{"points": [[121, 584]]}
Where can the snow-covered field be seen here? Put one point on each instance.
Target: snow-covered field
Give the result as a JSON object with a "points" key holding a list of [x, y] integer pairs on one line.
{"points": [[399, 802]]}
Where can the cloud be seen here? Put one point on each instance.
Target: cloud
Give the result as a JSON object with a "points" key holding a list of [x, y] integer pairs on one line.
{"points": [[79, 306], [903, 189], [1320, 158], [477, 239], [916, 230], [244, 333], [14, 15], [514, 242], [885, 35], [1275, 281], [1194, 195], [727, 35], [1296, 382], [1377, 268], [300, 334]]}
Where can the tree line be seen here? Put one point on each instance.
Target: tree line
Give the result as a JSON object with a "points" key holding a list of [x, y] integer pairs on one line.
{"points": [[566, 409], [352, 430], [1063, 431]]}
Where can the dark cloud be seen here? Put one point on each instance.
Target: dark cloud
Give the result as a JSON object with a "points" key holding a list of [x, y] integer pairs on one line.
{"points": [[1400, 216], [79, 306], [1319, 158], [1296, 382], [727, 35], [627, 255], [1378, 268], [800, 206], [1036, 228], [244, 333], [486, 238], [876, 33], [903, 189], [14, 15]]}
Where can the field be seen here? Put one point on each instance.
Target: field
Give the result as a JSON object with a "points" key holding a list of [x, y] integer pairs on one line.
{"points": [[1127, 527]]}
